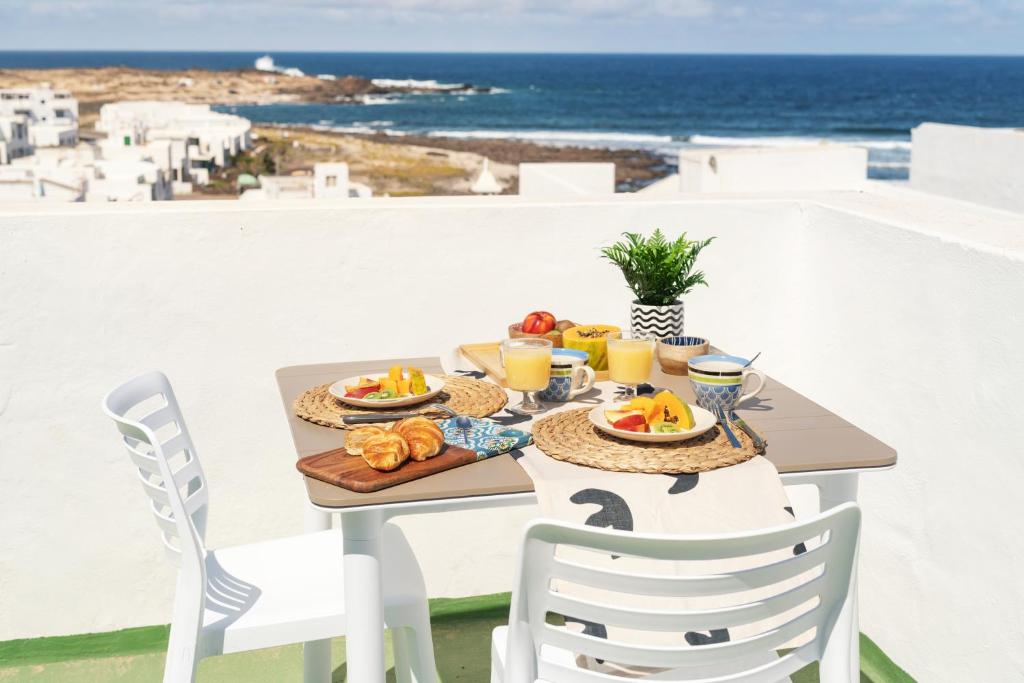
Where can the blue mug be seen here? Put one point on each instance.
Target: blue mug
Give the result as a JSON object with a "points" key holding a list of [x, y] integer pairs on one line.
{"points": [[718, 381], [570, 376]]}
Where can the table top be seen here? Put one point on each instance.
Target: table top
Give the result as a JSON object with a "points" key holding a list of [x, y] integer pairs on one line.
{"points": [[802, 436]]}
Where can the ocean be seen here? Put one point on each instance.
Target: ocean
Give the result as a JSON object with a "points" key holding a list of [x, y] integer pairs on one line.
{"points": [[657, 102]]}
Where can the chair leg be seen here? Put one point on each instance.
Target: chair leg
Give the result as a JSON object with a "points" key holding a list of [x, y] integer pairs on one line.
{"points": [[403, 657], [180, 664], [414, 652], [497, 666], [316, 661]]}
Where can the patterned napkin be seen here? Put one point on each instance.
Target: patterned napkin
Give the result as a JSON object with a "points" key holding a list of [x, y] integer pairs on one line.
{"points": [[486, 437]]}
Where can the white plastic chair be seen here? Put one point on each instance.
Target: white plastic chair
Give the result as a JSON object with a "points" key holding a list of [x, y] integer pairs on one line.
{"points": [[254, 596], [530, 650]]}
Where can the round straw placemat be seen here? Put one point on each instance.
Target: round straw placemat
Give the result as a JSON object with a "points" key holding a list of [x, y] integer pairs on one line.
{"points": [[464, 395], [571, 437]]}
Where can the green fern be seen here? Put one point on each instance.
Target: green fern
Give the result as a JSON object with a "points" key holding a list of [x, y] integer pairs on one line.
{"points": [[658, 271]]}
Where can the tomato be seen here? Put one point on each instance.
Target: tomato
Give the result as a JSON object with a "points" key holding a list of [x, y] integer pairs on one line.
{"points": [[632, 423], [363, 391], [539, 322]]}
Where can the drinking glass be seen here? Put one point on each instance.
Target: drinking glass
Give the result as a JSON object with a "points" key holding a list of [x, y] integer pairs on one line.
{"points": [[527, 369], [629, 361]]}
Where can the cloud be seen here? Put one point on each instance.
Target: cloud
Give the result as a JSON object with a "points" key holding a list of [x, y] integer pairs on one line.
{"points": [[194, 9]]}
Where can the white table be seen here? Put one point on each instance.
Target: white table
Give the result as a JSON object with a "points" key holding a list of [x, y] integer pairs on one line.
{"points": [[808, 444]]}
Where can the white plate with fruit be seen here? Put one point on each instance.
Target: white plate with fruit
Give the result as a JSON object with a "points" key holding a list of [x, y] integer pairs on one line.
{"points": [[400, 387], [653, 419]]}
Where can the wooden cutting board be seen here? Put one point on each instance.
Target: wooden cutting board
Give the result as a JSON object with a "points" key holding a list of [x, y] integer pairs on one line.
{"points": [[351, 471]]}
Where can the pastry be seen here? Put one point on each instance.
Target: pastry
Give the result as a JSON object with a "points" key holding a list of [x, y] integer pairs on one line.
{"points": [[357, 437], [424, 437], [385, 451]]}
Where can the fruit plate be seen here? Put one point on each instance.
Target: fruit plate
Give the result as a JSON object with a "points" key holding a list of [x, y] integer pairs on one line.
{"points": [[434, 387], [703, 420]]}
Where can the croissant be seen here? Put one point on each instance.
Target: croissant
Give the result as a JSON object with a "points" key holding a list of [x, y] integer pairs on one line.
{"points": [[424, 437], [385, 451], [356, 439]]}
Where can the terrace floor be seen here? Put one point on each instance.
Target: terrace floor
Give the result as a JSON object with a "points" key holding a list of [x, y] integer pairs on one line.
{"points": [[462, 630]]}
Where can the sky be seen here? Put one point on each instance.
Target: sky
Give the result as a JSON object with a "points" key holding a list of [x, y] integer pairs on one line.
{"points": [[701, 26]]}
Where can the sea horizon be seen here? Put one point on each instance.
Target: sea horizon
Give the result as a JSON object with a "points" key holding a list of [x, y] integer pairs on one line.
{"points": [[660, 102]]}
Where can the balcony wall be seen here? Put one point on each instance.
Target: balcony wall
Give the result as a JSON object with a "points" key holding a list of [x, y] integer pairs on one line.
{"points": [[879, 305]]}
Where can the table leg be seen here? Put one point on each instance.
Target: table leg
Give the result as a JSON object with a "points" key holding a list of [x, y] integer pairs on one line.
{"points": [[836, 489], [316, 654], [364, 643]]}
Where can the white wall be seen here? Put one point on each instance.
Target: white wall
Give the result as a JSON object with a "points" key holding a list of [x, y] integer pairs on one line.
{"points": [[888, 324], [568, 179], [983, 165], [772, 169]]}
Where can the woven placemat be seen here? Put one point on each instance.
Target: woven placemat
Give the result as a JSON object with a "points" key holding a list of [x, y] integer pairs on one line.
{"points": [[571, 437], [464, 395]]}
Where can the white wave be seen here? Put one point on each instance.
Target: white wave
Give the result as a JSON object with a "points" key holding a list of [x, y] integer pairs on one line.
{"points": [[498, 91], [787, 141], [429, 84], [554, 136], [378, 99]]}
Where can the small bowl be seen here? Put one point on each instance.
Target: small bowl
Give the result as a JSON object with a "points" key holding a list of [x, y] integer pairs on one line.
{"points": [[675, 352]]}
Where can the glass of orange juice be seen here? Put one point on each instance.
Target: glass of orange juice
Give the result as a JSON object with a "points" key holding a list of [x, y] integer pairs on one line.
{"points": [[527, 369], [629, 361]]}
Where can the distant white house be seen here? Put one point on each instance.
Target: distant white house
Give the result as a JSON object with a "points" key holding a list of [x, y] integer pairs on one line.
{"points": [[51, 115], [187, 140], [14, 141], [329, 181]]}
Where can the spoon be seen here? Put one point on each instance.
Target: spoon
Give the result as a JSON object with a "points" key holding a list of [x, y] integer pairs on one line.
{"points": [[751, 360]]}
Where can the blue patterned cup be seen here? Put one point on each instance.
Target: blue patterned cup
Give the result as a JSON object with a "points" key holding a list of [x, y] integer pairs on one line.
{"points": [[718, 381], [570, 376]]}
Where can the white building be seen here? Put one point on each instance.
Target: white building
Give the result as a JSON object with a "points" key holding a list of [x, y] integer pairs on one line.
{"points": [[14, 141], [52, 115], [329, 181], [983, 165], [24, 183], [199, 138]]}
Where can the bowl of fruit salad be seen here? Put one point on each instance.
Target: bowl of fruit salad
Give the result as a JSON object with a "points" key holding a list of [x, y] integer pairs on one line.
{"points": [[661, 418], [400, 387]]}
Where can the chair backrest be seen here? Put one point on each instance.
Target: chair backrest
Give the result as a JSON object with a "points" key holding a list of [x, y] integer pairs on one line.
{"points": [[797, 591], [154, 433]]}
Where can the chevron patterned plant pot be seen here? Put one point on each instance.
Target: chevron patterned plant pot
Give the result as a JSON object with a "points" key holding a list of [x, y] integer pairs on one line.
{"points": [[656, 321]]}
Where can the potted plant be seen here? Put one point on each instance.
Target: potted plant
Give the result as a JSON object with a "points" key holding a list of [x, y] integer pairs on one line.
{"points": [[659, 273]]}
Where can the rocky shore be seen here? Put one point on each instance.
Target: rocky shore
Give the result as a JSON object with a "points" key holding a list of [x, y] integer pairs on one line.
{"points": [[93, 87], [391, 164]]}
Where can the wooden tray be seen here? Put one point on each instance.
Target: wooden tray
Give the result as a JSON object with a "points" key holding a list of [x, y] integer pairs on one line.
{"points": [[351, 471], [485, 356]]}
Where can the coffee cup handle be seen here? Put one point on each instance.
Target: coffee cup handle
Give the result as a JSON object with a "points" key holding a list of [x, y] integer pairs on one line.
{"points": [[588, 380], [760, 384]]}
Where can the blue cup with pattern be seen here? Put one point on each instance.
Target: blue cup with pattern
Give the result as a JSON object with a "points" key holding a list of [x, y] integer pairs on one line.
{"points": [[720, 381], [570, 376]]}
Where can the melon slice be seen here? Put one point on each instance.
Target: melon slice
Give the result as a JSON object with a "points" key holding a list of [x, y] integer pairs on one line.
{"points": [[671, 408]]}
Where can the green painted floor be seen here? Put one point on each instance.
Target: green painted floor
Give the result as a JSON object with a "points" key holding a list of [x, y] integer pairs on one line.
{"points": [[462, 630]]}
